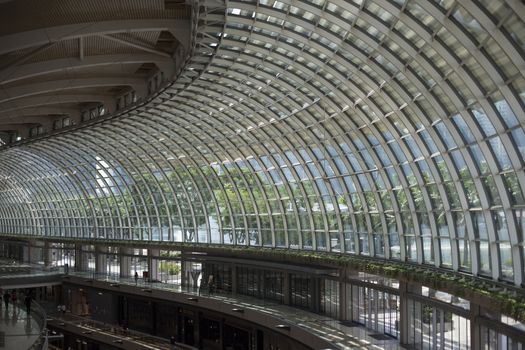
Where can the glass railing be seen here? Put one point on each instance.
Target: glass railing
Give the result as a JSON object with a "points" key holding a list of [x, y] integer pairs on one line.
{"points": [[38, 315], [14, 268], [93, 326], [319, 325]]}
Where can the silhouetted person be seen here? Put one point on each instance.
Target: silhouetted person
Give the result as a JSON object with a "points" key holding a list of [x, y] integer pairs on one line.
{"points": [[13, 297], [136, 277], [27, 301], [7, 297], [28, 328], [210, 284], [14, 319]]}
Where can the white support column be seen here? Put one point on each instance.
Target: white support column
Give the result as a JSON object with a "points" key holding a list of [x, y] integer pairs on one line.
{"points": [[48, 254], [125, 262], [403, 313], [100, 260], [32, 252], [185, 277], [475, 331], [81, 260], [404, 319], [153, 264], [26, 252]]}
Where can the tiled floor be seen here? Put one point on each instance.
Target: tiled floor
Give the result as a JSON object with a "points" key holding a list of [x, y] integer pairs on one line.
{"points": [[112, 333], [18, 331], [341, 336]]}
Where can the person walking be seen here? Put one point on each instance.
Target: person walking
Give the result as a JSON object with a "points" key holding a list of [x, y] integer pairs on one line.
{"points": [[7, 297], [14, 298], [136, 277], [27, 301], [210, 285]]}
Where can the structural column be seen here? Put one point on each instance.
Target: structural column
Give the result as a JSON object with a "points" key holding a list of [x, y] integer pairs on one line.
{"points": [[316, 293], [403, 313], [189, 278], [125, 262], [31, 252], [48, 254], [475, 311], [184, 277], [81, 261], [153, 264], [406, 288], [26, 252], [100, 260]]}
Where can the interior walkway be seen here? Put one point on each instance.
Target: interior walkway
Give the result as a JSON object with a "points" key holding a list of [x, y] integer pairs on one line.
{"points": [[345, 337], [17, 330]]}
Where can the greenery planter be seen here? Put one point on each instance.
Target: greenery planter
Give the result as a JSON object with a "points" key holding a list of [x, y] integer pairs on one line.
{"points": [[482, 292]]}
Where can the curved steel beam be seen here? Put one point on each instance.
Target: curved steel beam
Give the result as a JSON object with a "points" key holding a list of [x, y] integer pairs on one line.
{"points": [[38, 111], [35, 101], [20, 91], [37, 37], [32, 70]]}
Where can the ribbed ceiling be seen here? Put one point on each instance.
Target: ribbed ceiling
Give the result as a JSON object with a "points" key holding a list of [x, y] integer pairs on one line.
{"points": [[391, 129], [59, 42]]}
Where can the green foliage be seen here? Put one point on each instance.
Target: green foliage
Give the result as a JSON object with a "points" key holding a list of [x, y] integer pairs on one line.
{"points": [[509, 302], [169, 267], [469, 287], [181, 194]]}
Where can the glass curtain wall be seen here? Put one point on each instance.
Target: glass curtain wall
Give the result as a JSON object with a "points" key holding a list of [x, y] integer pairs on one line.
{"points": [[431, 327], [222, 276], [259, 283], [375, 309], [398, 138], [330, 300], [491, 339], [301, 291]]}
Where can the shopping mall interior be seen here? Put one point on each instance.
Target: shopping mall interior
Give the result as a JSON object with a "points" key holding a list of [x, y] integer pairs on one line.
{"points": [[262, 174]]}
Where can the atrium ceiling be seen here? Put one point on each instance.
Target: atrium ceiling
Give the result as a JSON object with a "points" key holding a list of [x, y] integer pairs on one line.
{"points": [[60, 58], [384, 128]]}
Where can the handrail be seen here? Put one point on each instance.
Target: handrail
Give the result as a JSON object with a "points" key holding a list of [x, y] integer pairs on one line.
{"points": [[118, 331], [39, 315]]}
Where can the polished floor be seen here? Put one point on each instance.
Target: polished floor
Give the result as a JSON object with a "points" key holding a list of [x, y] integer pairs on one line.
{"points": [[341, 336], [17, 330]]}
